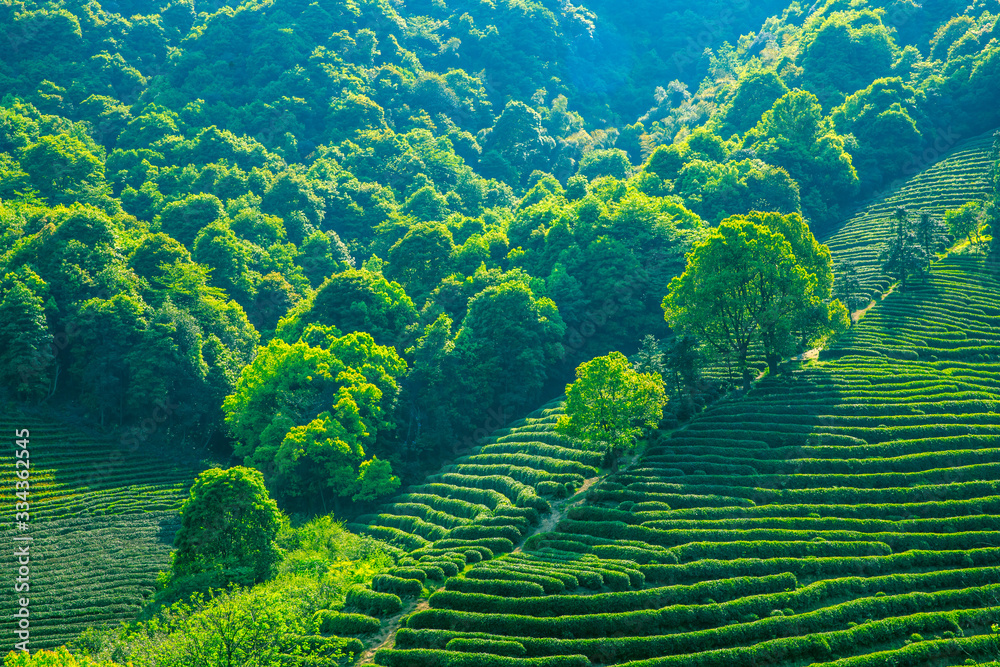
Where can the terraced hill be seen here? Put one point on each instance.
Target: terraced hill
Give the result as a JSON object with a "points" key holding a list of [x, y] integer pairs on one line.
{"points": [[102, 522], [960, 177], [844, 513], [484, 503]]}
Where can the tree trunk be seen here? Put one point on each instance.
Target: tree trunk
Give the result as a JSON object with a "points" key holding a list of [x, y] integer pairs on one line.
{"points": [[772, 364], [746, 380], [55, 383]]}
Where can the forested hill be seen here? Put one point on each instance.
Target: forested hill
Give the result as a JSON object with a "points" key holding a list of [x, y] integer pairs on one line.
{"points": [[331, 246], [842, 514], [471, 198], [435, 211]]}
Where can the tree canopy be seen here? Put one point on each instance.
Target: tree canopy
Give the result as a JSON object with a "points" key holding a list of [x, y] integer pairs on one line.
{"points": [[611, 404], [745, 285], [228, 523]]}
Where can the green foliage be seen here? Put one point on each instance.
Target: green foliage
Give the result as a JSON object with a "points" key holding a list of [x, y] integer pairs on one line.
{"points": [[65, 170], [903, 253], [610, 162], [882, 118], [373, 602], [27, 360], [185, 218], [180, 182], [610, 404], [495, 647], [266, 625], [355, 300], [459, 658], [965, 221], [755, 94], [858, 35], [746, 284], [332, 622], [386, 583], [508, 339], [228, 522], [58, 658], [793, 135], [421, 258], [305, 415]]}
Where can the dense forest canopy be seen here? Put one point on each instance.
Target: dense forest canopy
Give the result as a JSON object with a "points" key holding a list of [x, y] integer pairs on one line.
{"points": [[335, 235]]}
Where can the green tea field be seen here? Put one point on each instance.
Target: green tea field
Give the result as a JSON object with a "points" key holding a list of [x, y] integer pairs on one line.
{"points": [[483, 504], [961, 176], [102, 524], [844, 513]]}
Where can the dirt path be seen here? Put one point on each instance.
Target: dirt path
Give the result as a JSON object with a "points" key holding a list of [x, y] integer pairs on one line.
{"points": [[386, 637], [550, 520]]}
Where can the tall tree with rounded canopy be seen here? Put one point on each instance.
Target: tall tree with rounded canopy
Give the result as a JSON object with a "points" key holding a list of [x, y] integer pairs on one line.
{"points": [[26, 359], [305, 413], [610, 405], [755, 94], [228, 521], [794, 135], [743, 284], [356, 300], [508, 339], [421, 259]]}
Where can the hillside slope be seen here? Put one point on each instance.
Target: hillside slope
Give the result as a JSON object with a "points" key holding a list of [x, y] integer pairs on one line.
{"points": [[844, 510], [102, 521], [961, 176]]}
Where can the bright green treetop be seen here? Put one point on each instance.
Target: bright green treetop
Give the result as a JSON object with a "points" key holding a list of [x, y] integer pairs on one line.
{"points": [[610, 404], [744, 284], [228, 521], [57, 658]]}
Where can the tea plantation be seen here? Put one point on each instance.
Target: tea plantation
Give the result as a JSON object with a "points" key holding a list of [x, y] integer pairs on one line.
{"points": [[480, 507], [846, 512], [962, 176], [102, 523]]}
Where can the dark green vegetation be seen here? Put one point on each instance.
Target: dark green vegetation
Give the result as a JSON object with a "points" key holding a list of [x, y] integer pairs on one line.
{"points": [[343, 243], [963, 175], [485, 502]]}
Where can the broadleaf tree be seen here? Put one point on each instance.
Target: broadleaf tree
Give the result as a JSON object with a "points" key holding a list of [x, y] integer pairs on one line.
{"points": [[228, 522], [744, 285], [611, 404]]}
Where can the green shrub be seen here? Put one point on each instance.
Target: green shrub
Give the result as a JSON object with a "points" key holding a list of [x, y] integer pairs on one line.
{"points": [[578, 605], [529, 514], [431, 658], [492, 545], [478, 532], [372, 602], [409, 573], [449, 568], [333, 622], [386, 583], [436, 571], [494, 646], [499, 587], [550, 585], [549, 488]]}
